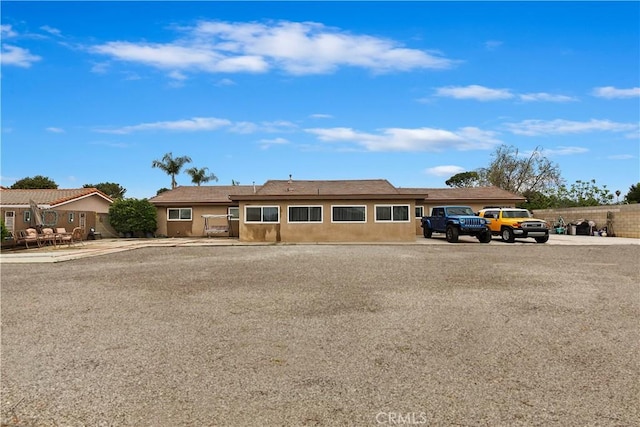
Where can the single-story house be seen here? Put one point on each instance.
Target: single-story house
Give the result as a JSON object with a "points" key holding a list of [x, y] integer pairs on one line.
{"points": [[312, 211], [69, 208]]}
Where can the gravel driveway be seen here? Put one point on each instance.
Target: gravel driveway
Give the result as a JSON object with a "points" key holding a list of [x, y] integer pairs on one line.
{"points": [[295, 335]]}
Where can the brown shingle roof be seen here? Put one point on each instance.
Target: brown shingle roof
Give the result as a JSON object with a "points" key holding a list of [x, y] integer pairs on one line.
{"points": [[472, 193], [205, 194], [324, 187], [318, 189], [50, 197]]}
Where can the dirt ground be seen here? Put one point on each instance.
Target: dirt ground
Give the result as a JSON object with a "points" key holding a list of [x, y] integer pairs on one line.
{"points": [[296, 335]]}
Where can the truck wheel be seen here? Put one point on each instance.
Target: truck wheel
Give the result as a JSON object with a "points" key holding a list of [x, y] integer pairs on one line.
{"points": [[485, 237], [543, 239], [452, 234], [507, 235], [427, 232]]}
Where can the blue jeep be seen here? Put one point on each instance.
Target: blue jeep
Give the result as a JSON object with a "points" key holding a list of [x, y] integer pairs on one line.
{"points": [[455, 221]]}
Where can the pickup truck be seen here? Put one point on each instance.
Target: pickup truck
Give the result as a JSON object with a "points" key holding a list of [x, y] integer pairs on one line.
{"points": [[455, 221], [515, 223]]}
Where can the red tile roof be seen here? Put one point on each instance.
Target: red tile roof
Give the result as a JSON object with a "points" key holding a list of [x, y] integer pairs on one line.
{"points": [[50, 197]]}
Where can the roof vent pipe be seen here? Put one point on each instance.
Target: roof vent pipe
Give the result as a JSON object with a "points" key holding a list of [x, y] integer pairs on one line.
{"points": [[254, 187]]}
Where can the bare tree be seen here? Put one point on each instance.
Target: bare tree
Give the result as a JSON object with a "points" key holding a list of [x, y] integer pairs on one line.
{"points": [[520, 173]]}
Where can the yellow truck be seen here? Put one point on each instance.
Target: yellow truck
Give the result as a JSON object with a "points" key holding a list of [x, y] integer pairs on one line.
{"points": [[515, 223]]}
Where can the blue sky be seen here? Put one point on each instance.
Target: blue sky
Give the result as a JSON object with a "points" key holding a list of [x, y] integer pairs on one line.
{"points": [[412, 92]]}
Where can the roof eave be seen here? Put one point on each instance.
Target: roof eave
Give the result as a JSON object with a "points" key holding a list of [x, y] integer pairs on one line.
{"points": [[190, 202], [251, 197]]}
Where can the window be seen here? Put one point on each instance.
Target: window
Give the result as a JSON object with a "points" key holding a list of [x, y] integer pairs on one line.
{"points": [[71, 217], [348, 214], [392, 213], [305, 213], [179, 214], [27, 216], [261, 214], [234, 213], [419, 211]]}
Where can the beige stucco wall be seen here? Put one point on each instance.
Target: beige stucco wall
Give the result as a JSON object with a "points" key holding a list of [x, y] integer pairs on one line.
{"points": [[193, 228], [625, 218], [61, 217], [92, 203], [326, 231]]}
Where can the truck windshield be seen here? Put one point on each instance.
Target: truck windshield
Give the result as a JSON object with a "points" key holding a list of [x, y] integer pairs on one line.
{"points": [[521, 213], [460, 210]]}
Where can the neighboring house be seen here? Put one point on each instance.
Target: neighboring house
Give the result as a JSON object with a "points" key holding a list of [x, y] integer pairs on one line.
{"points": [[314, 211], [69, 208]]}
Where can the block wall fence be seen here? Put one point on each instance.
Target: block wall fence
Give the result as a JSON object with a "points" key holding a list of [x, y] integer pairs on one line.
{"points": [[625, 218]]}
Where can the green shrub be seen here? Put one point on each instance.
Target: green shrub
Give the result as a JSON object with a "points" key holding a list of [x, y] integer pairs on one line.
{"points": [[3, 230], [133, 215]]}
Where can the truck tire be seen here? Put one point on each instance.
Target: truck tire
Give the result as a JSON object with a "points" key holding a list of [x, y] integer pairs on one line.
{"points": [[542, 239], [507, 235], [485, 237], [427, 232], [452, 234]]}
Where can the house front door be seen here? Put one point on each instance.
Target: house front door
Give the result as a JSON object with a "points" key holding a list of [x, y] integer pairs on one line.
{"points": [[9, 221]]}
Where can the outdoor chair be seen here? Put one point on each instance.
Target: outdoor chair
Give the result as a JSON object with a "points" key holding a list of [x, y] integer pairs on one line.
{"points": [[76, 236], [30, 235], [48, 236], [63, 235]]}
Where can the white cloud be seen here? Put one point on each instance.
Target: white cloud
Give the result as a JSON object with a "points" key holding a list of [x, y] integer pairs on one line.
{"points": [[195, 124], [548, 97], [6, 31], [177, 75], [483, 93], [176, 57], [416, 139], [110, 144], [621, 157], [266, 143], [53, 31], [561, 127], [268, 127], [296, 48], [320, 116], [100, 67], [477, 92], [244, 127], [55, 130], [561, 151], [492, 44], [611, 92], [225, 82], [17, 56], [444, 170]]}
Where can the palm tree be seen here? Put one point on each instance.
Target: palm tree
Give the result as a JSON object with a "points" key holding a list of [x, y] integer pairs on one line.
{"points": [[198, 176], [171, 166]]}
